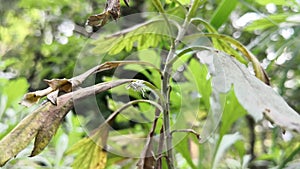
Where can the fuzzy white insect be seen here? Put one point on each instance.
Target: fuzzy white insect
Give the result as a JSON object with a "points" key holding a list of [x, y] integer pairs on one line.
{"points": [[138, 86]]}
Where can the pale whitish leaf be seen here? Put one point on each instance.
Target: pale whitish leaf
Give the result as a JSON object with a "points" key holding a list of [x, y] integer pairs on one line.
{"points": [[256, 97]]}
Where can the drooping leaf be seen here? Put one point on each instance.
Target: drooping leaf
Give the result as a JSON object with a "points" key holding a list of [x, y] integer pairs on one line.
{"points": [[51, 123], [231, 113], [66, 85], [219, 43], [256, 97], [44, 121], [29, 128]]}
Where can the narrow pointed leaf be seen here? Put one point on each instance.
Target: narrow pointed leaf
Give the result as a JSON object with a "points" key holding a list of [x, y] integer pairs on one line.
{"points": [[222, 13]]}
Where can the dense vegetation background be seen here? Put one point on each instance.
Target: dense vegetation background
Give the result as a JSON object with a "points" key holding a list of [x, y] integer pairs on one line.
{"points": [[43, 40]]}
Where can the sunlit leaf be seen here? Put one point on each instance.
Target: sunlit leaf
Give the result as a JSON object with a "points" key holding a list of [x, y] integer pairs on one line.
{"points": [[90, 153], [276, 2], [222, 13], [143, 36], [10, 89], [267, 22]]}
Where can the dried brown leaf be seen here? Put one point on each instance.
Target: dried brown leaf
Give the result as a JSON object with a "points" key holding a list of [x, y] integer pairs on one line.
{"points": [[52, 97], [98, 20], [62, 84], [44, 121], [112, 9], [32, 98], [66, 85], [26, 130], [51, 123]]}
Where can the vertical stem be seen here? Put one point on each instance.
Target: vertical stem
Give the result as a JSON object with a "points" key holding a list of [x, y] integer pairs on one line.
{"points": [[166, 88]]}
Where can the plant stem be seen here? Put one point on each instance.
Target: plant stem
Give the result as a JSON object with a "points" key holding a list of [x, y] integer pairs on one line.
{"points": [[166, 88]]}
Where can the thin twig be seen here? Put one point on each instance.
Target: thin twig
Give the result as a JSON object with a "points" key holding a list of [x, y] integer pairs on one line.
{"points": [[187, 131]]}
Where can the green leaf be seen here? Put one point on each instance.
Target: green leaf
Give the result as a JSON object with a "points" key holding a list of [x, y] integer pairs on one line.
{"points": [[232, 112], [199, 74], [143, 36], [89, 151], [184, 149], [276, 2], [222, 13], [268, 22], [10, 88]]}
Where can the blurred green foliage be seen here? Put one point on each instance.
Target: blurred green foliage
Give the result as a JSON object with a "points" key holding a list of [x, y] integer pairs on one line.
{"points": [[38, 41]]}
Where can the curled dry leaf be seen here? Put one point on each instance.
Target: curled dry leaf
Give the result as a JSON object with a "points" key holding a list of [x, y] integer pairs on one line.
{"points": [[32, 98], [112, 9], [55, 85], [61, 84], [67, 85], [43, 123]]}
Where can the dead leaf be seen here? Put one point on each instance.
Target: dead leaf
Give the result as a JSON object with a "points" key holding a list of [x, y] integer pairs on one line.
{"points": [[112, 9], [52, 97], [44, 121], [98, 20], [32, 98], [256, 97], [67, 85], [51, 123], [62, 84]]}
